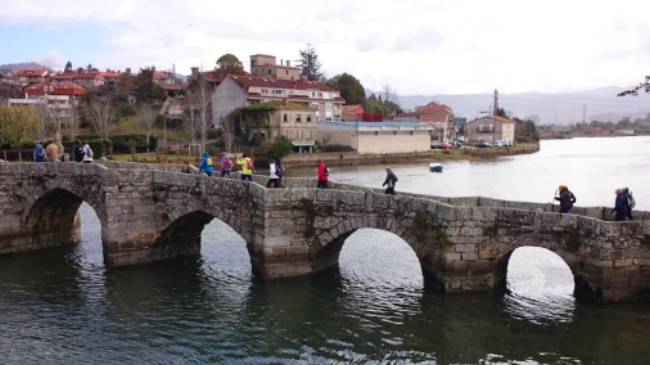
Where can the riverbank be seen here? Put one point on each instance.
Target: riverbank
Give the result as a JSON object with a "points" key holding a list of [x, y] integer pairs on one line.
{"points": [[355, 159]]}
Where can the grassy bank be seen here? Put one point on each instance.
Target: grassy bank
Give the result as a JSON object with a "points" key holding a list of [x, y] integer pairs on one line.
{"points": [[354, 159]]}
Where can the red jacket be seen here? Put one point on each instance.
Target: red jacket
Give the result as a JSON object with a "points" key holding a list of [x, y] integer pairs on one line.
{"points": [[322, 171]]}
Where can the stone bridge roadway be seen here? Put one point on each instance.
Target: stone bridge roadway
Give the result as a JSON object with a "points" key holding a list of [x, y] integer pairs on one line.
{"points": [[151, 213]]}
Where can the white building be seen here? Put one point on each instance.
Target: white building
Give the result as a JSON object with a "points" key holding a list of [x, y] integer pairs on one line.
{"points": [[377, 137]]}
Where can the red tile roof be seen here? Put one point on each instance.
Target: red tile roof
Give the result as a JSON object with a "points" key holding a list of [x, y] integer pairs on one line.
{"points": [[79, 76], [57, 88], [32, 72]]}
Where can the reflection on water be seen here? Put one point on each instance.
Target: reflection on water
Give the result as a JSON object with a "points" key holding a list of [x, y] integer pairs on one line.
{"points": [[540, 287], [62, 306]]}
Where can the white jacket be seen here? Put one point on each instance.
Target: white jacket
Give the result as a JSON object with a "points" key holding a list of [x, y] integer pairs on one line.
{"points": [[273, 172]]}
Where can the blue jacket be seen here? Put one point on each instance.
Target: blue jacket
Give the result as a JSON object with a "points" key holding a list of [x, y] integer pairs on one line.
{"points": [[621, 207], [39, 153], [206, 167]]}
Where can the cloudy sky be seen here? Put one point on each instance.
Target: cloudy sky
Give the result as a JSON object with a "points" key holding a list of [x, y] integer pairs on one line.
{"points": [[416, 46]]}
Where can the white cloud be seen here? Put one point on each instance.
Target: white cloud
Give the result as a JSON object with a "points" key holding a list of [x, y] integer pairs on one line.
{"points": [[53, 59], [417, 46]]}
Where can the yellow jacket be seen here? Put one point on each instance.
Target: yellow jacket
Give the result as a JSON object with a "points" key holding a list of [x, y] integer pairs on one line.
{"points": [[246, 164]]}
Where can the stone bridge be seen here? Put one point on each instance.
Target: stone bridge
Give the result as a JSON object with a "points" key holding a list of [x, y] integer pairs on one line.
{"points": [[152, 212]]}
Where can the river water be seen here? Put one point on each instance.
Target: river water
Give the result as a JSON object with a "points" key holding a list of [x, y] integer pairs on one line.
{"points": [[63, 306]]}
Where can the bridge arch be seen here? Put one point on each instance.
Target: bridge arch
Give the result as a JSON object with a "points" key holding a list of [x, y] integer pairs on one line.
{"points": [[583, 287], [182, 236], [326, 252], [53, 219]]}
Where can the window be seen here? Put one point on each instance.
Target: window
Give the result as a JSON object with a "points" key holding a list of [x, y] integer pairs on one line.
{"points": [[308, 118], [277, 92], [298, 118], [285, 118]]}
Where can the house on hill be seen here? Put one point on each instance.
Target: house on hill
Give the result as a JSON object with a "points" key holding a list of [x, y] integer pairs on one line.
{"points": [[59, 98], [236, 91]]}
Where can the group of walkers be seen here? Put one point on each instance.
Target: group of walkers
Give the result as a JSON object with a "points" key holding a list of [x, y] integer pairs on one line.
{"points": [[623, 204], [207, 167], [53, 152]]}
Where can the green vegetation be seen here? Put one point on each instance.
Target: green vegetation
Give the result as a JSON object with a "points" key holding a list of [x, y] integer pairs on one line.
{"points": [[18, 125], [229, 64], [281, 147], [426, 232], [309, 63], [350, 87]]}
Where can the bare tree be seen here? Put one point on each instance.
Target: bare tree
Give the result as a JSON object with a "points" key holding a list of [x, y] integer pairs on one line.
{"points": [[147, 116], [388, 93], [102, 117], [200, 101]]}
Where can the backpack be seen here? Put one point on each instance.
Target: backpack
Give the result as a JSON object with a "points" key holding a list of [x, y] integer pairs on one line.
{"points": [[279, 169], [249, 164], [209, 161], [227, 164], [630, 200]]}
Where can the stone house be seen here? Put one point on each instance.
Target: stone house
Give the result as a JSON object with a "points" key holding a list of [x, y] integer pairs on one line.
{"points": [[377, 137], [437, 116], [490, 129], [232, 92], [266, 121], [267, 66]]}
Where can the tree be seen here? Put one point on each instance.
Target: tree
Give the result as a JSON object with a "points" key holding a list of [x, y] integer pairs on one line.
{"points": [[501, 113], [281, 147], [229, 64], [102, 117], [350, 87], [309, 63], [199, 95], [17, 124], [644, 86], [68, 67], [147, 116], [146, 91]]}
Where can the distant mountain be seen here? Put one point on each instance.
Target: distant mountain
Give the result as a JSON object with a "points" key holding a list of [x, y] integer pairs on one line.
{"points": [[562, 108], [17, 66]]}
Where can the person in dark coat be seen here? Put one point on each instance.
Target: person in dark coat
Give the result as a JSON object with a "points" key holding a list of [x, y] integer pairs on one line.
{"points": [[39, 153], [566, 198], [78, 151], [390, 181], [621, 205]]}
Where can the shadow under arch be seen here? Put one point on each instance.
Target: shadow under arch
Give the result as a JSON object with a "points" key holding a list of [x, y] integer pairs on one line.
{"points": [[53, 219], [583, 288], [183, 236], [327, 259]]}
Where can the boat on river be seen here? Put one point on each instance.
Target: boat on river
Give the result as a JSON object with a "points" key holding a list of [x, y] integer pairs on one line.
{"points": [[435, 167]]}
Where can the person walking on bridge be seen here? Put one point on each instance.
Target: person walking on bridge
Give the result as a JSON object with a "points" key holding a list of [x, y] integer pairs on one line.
{"points": [[274, 176], [390, 181], [39, 153], [566, 198], [622, 207], [226, 165], [246, 164], [323, 175], [206, 166]]}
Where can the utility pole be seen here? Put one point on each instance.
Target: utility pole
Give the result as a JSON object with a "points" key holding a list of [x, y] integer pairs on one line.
{"points": [[496, 103], [584, 113]]}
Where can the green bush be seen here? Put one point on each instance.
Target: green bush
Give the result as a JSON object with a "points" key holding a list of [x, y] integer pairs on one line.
{"points": [[123, 144], [281, 147], [214, 133], [125, 111]]}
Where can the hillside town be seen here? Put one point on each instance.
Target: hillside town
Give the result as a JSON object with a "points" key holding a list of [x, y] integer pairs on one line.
{"points": [[229, 108]]}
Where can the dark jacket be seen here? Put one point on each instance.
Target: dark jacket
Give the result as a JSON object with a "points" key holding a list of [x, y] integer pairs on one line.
{"points": [[78, 152], [567, 199], [391, 180], [621, 207]]}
